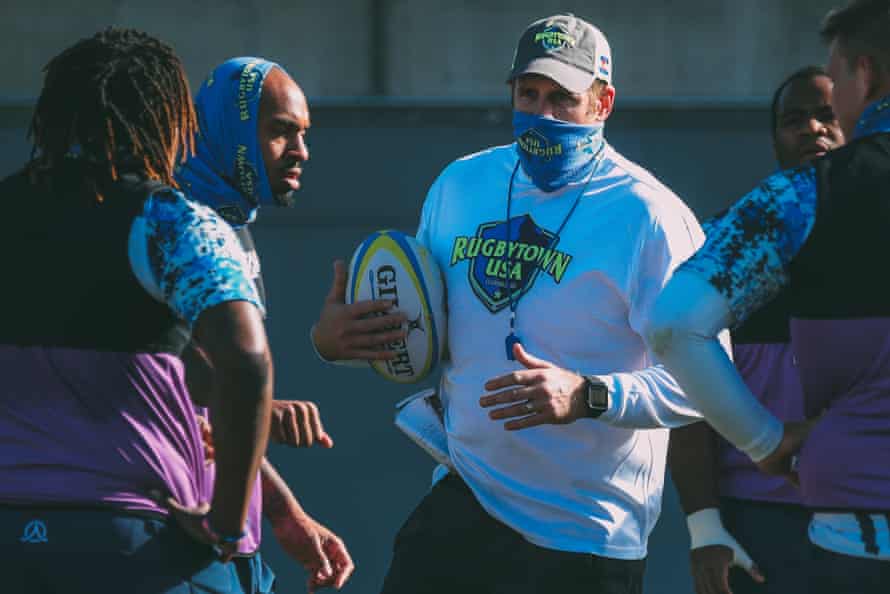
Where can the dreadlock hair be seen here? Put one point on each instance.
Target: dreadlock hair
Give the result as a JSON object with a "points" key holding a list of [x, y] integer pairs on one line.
{"points": [[805, 73], [120, 102]]}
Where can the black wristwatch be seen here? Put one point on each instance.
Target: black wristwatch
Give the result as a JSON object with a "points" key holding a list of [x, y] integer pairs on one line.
{"points": [[597, 398]]}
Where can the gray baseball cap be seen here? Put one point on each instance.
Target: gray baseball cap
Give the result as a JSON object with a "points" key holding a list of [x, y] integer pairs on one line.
{"points": [[566, 49]]}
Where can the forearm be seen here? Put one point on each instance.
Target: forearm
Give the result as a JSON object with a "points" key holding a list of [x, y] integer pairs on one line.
{"points": [[693, 465], [684, 323], [240, 411], [278, 500], [647, 399]]}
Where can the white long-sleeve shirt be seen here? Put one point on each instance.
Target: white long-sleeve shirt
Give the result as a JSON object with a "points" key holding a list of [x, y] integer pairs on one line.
{"points": [[592, 486]]}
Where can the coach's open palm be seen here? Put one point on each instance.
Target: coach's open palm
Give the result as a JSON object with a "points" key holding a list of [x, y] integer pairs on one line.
{"points": [[346, 332], [540, 394]]}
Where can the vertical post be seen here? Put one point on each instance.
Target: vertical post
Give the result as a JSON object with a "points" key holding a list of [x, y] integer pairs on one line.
{"points": [[379, 83]]}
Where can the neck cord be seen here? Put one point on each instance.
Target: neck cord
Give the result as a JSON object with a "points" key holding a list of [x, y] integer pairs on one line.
{"points": [[514, 302]]}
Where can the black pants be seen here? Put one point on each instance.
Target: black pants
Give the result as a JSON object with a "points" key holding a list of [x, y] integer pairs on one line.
{"points": [[775, 535], [833, 573], [450, 545], [91, 551]]}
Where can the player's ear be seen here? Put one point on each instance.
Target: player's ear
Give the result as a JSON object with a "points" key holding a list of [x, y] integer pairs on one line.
{"points": [[604, 103]]}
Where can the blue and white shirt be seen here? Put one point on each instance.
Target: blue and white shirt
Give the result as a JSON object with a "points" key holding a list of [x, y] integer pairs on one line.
{"points": [[185, 255], [761, 233]]}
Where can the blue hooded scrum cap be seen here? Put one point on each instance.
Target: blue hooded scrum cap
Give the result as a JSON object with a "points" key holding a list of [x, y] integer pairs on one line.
{"points": [[227, 172]]}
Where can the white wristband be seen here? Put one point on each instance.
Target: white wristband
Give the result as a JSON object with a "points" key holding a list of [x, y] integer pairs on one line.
{"points": [[706, 529]]}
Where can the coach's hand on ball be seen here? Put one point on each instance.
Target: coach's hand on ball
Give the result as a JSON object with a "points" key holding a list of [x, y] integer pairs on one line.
{"points": [[361, 330], [540, 394]]}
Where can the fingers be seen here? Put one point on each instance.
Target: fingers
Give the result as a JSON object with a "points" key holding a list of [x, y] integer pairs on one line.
{"points": [[337, 292], [378, 323], [741, 559], [288, 427], [523, 409], [343, 567], [304, 415], [298, 423], [370, 355], [318, 431], [375, 306], [756, 574], [527, 360], [521, 377], [375, 338], [712, 579]]}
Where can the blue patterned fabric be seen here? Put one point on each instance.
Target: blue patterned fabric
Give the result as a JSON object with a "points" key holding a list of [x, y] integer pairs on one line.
{"points": [[195, 256], [750, 245], [875, 119], [227, 171]]}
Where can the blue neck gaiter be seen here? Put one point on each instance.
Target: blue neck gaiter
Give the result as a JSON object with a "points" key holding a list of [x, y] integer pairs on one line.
{"points": [[554, 153]]}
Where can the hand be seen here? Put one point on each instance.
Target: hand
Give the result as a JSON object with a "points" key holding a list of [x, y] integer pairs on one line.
{"points": [[206, 439], [297, 423], [542, 393], [359, 330], [780, 461], [321, 552], [191, 520], [714, 551], [710, 567]]}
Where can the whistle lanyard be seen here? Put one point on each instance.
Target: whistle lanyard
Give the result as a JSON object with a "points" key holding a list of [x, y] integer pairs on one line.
{"points": [[512, 338]]}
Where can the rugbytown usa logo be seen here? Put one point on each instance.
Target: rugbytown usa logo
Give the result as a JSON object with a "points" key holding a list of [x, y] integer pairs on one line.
{"points": [[498, 267]]}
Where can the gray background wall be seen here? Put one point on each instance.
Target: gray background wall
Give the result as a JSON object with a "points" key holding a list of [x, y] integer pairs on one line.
{"points": [[398, 89]]}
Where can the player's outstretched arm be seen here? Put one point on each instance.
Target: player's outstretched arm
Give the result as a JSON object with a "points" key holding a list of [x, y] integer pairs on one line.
{"points": [[321, 552], [356, 331]]}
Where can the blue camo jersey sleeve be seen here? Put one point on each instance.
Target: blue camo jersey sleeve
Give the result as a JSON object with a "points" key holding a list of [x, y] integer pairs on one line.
{"points": [[750, 245], [194, 256]]}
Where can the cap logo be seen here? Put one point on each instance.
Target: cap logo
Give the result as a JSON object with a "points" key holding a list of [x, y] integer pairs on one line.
{"points": [[604, 66], [554, 38]]}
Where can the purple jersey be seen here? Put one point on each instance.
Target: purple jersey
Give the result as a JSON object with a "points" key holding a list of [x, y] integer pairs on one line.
{"points": [[88, 428], [770, 372], [845, 366]]}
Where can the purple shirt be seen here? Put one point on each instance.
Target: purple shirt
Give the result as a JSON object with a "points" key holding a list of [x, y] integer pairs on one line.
{"points": [[79, 427], [845, 366], [770, 372]]}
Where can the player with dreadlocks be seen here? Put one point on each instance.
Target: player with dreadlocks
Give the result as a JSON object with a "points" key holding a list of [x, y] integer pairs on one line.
{"points": [[114, 269]]}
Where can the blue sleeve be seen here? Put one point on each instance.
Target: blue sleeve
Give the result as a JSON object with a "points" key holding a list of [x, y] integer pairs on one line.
{"points": [[194, 257], [750, 246]]}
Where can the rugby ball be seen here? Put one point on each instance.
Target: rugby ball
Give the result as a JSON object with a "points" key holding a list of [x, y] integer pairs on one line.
{"points": [[392, 265]]}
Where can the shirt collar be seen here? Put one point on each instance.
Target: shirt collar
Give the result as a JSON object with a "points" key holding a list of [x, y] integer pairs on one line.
{"points": [[875, 118]]}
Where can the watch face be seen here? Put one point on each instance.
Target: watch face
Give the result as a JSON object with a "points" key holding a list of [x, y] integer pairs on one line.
{"points": [[597, 397]]}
